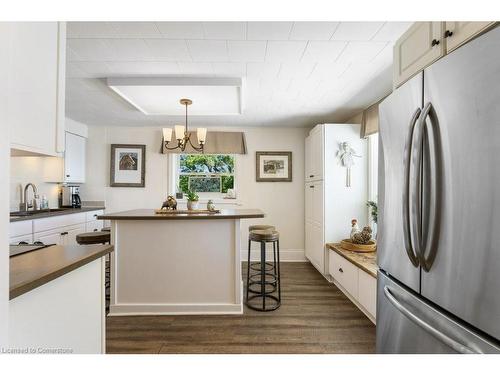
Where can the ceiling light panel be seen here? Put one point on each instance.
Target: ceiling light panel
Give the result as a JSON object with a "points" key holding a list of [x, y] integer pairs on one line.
{"points": [[160, 95]]}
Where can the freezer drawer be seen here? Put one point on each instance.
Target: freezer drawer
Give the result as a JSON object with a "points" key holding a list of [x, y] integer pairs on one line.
{"points": [[407, 324]]}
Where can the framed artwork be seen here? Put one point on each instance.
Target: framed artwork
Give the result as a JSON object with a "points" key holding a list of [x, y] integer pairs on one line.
{"points": [[273, 166], [128, 165]]}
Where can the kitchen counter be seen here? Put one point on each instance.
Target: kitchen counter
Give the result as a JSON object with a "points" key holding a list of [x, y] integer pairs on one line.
{"points": [[149, 214], [56, 212], [366, 261], [36, 268]]}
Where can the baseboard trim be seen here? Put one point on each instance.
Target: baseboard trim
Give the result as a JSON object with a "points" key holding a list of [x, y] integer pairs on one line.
{"points": [[175, 309], [286, 255]]}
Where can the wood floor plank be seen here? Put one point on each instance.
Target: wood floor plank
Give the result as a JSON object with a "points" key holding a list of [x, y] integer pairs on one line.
{"points": [[315, 317]]}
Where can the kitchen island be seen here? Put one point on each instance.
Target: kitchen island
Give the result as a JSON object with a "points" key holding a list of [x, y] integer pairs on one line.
{"points": [[176, 264]]}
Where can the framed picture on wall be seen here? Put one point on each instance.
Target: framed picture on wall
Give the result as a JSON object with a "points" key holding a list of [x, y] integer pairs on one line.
{"points": [[128, 165], [273, 166]]}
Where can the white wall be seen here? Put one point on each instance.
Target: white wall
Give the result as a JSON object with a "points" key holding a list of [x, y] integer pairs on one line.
{"points": [[44, 172], [282, 202], [4, 185]]}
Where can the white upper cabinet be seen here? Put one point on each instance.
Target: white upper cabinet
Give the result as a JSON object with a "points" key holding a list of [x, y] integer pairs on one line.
{"points": [[35, 109], [417, 48], [74, 158], [314, 154], [425, 42], [457, 33]]}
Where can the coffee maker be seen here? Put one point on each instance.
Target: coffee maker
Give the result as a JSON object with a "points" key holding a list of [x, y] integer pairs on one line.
{"points": [[70, 197]]}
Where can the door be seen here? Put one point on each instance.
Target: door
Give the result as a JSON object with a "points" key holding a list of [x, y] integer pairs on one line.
{"points": [[71, 232], [396, 247], [316, 152], [457, 33], [417, 48], [50, 237], [462, 257], [315, 250], [32, 112], [308, 162], [407, 324], [74, 158]]}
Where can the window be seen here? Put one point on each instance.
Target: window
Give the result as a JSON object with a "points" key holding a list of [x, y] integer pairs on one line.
{"points": [[208, 175]]}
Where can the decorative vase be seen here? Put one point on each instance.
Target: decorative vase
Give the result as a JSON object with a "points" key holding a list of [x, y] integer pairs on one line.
{"points": [[192, 205], [210, 205]]}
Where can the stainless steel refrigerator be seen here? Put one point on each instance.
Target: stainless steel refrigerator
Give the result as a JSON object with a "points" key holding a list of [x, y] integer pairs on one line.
{"points": [[439, 197]]}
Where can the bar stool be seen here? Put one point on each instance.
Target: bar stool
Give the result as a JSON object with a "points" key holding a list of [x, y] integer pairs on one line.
{"points": [[266, 278], [91, 238], [256, 265], [94, 238]]}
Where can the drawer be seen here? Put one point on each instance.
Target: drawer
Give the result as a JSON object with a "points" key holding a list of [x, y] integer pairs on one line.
{"points": [[26, 238], [49, 223], [367, 292], [92, 215], [344, 272], [21, 228], [94, 226]]}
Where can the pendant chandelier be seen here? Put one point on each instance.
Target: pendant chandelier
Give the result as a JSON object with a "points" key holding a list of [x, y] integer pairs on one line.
{"points": [[182, 134]]}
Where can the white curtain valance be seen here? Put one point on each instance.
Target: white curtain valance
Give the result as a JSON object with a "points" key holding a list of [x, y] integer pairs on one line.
{"points": [[216, 143]]}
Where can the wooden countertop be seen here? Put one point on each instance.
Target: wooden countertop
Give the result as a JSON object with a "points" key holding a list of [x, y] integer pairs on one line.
{"points": [[366, 261], [36, 268], [149, 214]]}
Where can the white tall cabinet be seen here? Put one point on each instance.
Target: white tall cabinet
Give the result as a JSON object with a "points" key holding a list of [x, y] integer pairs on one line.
{"points": [[329, 204], [36, 54]]}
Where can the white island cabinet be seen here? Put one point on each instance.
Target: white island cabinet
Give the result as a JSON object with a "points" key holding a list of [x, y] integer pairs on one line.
{"points": [[176, 264]]}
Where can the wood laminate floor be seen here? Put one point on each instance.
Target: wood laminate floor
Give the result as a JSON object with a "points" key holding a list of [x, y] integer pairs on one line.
{"points": [[314, 317]]}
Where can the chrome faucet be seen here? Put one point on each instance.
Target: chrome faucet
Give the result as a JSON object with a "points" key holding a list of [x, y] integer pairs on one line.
{"points": [[24, 205]]}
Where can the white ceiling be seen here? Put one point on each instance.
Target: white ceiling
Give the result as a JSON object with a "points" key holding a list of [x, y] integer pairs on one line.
{"points": [[296, 73]]}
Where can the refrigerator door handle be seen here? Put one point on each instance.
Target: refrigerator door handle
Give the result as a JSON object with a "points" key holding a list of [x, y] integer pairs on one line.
{"points": [[431, 136], [445, 339], [408, 235]]}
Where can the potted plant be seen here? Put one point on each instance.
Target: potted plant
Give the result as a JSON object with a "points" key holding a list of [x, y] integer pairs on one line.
{"points": [[192, 200]]}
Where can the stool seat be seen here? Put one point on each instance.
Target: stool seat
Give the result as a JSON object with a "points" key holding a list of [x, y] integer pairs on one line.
{"points": [[264, 235], [90, 238], [261, 227]]}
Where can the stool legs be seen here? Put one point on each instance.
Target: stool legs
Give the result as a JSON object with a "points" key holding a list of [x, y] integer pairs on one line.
{"points": [[260, 278], [263, 273], [248, 268]]}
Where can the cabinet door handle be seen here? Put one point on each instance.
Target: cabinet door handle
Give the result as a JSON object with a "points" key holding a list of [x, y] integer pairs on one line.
{"points": [[311, 175], [434, 42], [311, 186], [341, 270], [95, 215], [448, 33], [67, 175], [64, 233]]}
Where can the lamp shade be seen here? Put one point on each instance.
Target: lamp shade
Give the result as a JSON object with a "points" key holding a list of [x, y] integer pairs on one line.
{"points": [[167, 134], [201, 134], [179, 132]]}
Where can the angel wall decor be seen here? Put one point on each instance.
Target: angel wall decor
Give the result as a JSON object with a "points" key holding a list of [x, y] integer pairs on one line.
{"points": [[346, 154]]}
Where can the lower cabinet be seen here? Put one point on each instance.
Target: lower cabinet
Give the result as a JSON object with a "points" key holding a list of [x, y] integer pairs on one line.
{"points": [[359, 286], [58, 230], [60, 236]]}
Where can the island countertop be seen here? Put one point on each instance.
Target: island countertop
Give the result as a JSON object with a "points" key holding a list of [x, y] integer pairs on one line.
{"points": [[36, 268], [149, 214]]}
